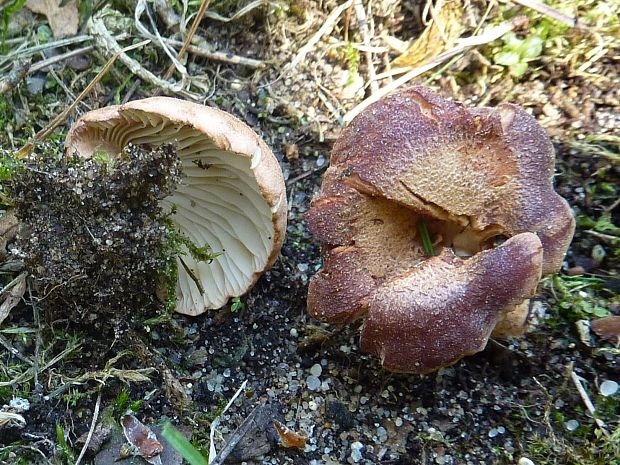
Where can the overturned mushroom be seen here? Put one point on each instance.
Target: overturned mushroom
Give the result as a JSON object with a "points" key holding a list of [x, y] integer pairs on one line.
{"points": [[232, 196], [437, 222]]}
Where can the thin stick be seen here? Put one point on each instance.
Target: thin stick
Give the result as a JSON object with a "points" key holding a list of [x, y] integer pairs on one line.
{"points": [[362, 24], [190, 35], [587, 402], [612, 206], [49, 45], [607, 237], [216, 422], [55, 59], [218, 56], [548, 11], [91, 430], [463, 45]]}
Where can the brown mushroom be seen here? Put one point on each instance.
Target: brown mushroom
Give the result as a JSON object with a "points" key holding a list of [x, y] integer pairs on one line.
{"points": [[232, 196], [473, 178]]}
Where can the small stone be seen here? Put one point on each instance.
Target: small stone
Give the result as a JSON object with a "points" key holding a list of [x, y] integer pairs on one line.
{"points": [[382, 434], [608, 388], [493, 432], [525, 461], [571, 425], [316, 370], [293, 332], [398, 421], [313, 382], [356, 451]]}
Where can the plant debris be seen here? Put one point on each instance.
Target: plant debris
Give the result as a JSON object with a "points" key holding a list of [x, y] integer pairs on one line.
{"points": [[92, 233]]}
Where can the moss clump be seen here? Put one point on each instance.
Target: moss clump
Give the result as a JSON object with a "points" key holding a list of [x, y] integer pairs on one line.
{"points": [[93, 234]]}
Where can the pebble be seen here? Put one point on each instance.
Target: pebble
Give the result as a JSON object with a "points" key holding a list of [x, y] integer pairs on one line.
{"points": [[313, 382], [525, 461], [356, 451], [293, 332], [398, 421], [316, 370], [608, 388], [571, 425]]}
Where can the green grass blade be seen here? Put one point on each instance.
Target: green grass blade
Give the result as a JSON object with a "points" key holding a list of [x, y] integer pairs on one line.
{"points": [[427, 244], [183, 446]]}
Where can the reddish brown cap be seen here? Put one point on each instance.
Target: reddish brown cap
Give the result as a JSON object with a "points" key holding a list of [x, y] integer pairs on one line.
{"points": [[435, 314], [232, 196], [474, 177]]}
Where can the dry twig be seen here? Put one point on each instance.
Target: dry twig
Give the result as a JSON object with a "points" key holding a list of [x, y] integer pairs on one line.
{"points": [[587, 402], [91, 430], [188, 40]]}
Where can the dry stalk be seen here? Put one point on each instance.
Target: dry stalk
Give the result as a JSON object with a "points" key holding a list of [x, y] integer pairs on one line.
{"points": [[188, 40], [108, 44], [91, 430], [463, 45], [362, 24], [548, 11], [587, 402], [218, 56]]}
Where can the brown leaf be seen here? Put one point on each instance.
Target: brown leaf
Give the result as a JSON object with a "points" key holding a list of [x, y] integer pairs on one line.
{"points": [[63, 20], [440, 35], [141, 437], [607, 328], [290, 438]]}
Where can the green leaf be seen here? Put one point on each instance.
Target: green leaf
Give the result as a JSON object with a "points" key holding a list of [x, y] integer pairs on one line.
{"points": [[600, 312], [519, 69], [507, 58], [183, 446], [531, 47]]}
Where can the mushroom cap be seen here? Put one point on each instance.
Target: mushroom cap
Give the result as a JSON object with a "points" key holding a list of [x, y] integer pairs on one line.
{"points": [[435, 314], [472, 176], [232, 196]]}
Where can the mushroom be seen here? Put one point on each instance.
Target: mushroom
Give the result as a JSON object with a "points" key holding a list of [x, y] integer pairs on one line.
{"points": [[437, 222], [232, 196]]}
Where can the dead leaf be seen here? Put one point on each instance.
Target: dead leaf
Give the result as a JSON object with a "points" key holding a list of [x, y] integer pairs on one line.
{"points": [[289, 437], [14, 295], [142, 439], [440, 35], [607, 328], [63, 20]]}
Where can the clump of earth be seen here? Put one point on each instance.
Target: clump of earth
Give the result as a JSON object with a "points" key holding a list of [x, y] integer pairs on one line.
{"points": [[92, 233]]}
